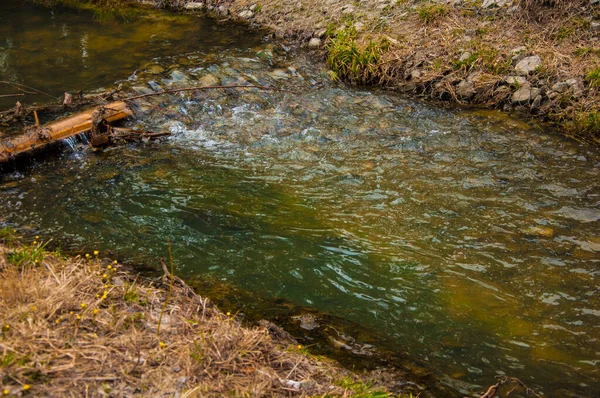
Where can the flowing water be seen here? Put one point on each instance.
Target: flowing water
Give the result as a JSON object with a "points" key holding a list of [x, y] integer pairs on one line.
{"points": [[465, 240]]}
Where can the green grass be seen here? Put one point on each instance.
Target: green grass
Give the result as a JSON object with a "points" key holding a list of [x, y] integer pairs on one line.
{"points": [[584, 51], [27, 255], [347, 59], [588, 124], [430, 13], [8, 235], [593, 77], [361, 389]]}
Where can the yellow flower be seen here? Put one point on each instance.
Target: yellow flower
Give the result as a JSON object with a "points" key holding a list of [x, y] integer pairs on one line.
{"points": [[228, 313], [78, 317], [5, 391], [26, 387], [71, 313], [87, 255], [105, 294], [6, 327], [96, 252], [162, 345], [83, 305], [109, 267], [57, 321], [96, 311], [35, 242], [299, 346], [115, 262], [104, 276], [33, 308], [37, 237]]}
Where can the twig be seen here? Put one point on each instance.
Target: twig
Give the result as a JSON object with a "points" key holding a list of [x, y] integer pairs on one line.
{"points": [[491, 392], [11, 95], [22, 87], [179, 90], [171, 275]]}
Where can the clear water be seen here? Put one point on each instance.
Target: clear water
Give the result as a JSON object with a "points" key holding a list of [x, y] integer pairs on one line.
{"points": [[465, 239], [54, 50]]}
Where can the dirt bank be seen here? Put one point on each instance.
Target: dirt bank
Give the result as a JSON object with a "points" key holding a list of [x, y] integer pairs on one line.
{"points": [[541, 59], [87, 327]]}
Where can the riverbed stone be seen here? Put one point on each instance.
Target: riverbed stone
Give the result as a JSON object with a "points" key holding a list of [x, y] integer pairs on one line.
{"points": [[315, 42], [465, 89], [194, 6], [576, 87], [560, 87], [515, 80], [209, 80], [496, 3], [525, 94], [319, 33], [155, 69], [246, 14], [528, 65]]}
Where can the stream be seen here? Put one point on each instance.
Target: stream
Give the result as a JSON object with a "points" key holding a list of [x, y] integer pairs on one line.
{"points": [[466, 241]]}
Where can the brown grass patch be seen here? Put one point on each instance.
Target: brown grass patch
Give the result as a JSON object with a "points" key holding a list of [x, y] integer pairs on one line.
{"points": [[86, 327]]}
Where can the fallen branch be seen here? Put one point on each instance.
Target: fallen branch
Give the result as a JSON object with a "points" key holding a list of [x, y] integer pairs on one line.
{"points": [[179, 90], [505, 380], [37, 136], [11, 95], [23, 87]]}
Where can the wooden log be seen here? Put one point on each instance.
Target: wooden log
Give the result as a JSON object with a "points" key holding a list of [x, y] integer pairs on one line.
{"points": [[60, 129]]}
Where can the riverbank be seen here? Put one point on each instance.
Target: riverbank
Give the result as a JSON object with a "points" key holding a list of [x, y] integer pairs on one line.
{"points": [[87, 326], [539, 59]]}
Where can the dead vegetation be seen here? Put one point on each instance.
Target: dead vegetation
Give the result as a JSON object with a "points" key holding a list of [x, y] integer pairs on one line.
{"points": [[86, 327]]}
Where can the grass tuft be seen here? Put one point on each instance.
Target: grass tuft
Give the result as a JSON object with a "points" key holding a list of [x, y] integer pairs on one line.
{"points": [[593, 77], [347, 59], [432, 12]]}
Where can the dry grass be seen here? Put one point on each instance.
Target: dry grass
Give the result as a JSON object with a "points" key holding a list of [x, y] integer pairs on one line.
{"points": [[85, 327]]}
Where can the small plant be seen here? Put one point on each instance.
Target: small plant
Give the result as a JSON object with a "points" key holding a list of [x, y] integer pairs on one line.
{"points": [[593, 77], [8, 235], [583, 51], [361, 389], [28, 255], [432, 12], [588, 124], [347, 59]]}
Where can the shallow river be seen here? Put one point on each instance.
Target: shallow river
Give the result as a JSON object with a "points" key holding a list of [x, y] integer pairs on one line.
{"points": [[465, 240]]}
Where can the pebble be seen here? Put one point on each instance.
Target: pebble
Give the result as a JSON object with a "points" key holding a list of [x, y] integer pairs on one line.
{"points": [[246, 14], [315, 42], [525, 93], [528, 65]]}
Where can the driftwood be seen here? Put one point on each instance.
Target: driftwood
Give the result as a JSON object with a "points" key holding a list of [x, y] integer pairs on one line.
{"points": [[39, 136], [508, 381]]}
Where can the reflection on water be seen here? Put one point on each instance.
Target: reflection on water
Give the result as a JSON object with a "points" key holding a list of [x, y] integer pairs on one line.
{"points": [[466, 239], [56, 49]]}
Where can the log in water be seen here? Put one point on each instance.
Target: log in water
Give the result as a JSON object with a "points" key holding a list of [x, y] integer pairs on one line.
{"points": [[38, 137]]}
